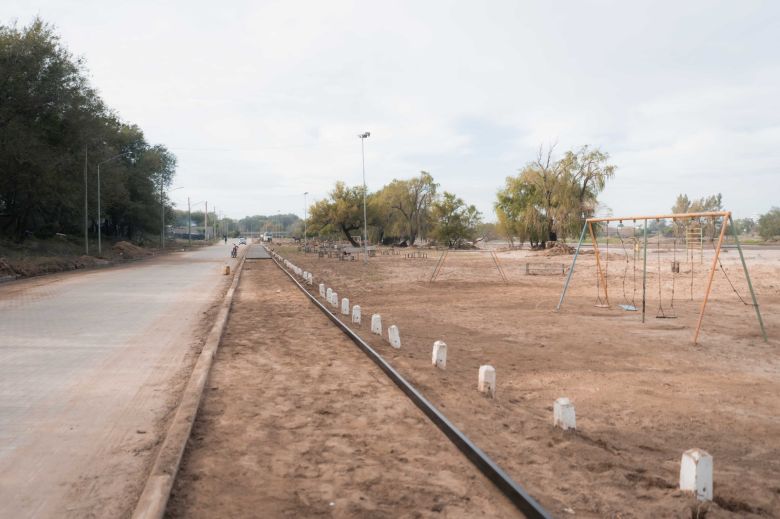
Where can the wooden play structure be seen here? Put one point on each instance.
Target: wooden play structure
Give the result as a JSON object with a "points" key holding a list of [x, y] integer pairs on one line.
{"points": [[693, 245], [440, 263]]}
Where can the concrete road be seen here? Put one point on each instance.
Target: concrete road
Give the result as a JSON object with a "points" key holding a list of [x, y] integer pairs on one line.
{"points": [[91, 367]]}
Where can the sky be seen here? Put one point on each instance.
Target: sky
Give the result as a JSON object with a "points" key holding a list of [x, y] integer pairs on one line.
{"points": [[263, 101]]}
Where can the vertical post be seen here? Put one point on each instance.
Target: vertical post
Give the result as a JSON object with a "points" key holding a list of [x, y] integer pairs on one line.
{"points": [[304, 221], [598, 262], [644, 275], [162, 215], [206, 223], [709, 278], [99, 218], [747, 278], [365, 221], [86, 206], [189, 223], [571, 270]]}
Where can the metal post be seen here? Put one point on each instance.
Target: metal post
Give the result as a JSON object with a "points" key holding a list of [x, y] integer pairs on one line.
{"points": [[644, 274], [747, 277], [189, 223], [710, 278], [363, 137], [162, 216], [571, 270], [598, 263], [206, 223], [304, 221], [86, 206], [99, 218]]}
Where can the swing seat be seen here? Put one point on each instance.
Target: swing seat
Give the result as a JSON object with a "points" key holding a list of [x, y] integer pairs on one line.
{"points": [[601, 305], [628, 308]]}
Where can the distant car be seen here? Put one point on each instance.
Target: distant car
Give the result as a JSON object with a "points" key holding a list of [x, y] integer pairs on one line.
{"points": [[242, 241]]}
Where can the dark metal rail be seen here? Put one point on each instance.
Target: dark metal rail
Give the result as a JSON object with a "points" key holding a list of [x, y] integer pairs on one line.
{"points": [[516, 494]]}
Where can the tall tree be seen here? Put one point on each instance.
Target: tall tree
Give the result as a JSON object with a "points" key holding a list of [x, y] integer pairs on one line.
{"points": [[341, 212], [454, 221]]}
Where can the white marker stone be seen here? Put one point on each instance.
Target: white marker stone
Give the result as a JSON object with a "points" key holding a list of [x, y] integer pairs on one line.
{"points": [[356, 314], [439, 358], [563, 414], [322, 289], [696, 474], [487, 380], [311, 279], [394, 336], [334, 299], [329, 294], [345, 306], [376, 324]]}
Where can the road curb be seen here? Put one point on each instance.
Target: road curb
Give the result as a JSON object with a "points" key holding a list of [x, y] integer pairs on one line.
{"points": [[157, 490]]}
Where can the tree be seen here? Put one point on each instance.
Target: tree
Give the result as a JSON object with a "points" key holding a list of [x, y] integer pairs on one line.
{"points": [[454, 221], [709, 226], [769, 224], [745, 225], [411, 199], [50, 117], [341, 212], [551, 198]]}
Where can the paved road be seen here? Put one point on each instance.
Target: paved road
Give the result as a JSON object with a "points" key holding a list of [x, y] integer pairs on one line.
{"points": [[91, 364]]}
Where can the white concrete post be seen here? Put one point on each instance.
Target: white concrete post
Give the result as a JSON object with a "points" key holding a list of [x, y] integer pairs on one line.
{"points": [[322, 289], [356, 314], [329, 294], [696, 474], [334, 299], [376, 324], [487, 380], [345, 306], [439, 358], [563, 414], [394, 336]]}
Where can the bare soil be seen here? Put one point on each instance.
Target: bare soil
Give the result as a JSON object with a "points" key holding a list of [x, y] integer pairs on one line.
{"points": [[297, 422], [643, 392]]}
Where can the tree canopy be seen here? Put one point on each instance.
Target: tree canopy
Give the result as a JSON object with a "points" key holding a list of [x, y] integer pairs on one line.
{"points": [[52, 122]]}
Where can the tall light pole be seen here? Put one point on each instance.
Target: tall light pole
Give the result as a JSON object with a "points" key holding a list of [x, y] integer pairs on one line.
{"points": [[363, 137], [304, 221], [100, 219]]}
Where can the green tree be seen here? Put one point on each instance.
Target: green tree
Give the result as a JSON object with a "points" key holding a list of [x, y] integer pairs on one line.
{"points": [[341, 212], [407, 205], [454, 221], [769, 224]]}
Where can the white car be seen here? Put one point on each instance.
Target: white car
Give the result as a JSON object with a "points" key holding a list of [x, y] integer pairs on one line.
{"points": [[242, 241]]}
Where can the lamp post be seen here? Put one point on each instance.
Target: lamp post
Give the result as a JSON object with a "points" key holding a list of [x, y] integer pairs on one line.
{"points": [[100, 219], [363, 137], [304, 221]]}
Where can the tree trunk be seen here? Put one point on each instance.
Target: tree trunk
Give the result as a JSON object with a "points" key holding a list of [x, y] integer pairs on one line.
{"points": [[349, 237]]}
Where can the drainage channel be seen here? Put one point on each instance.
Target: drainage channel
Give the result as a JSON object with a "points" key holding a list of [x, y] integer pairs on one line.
{"points": [[513, 491]]}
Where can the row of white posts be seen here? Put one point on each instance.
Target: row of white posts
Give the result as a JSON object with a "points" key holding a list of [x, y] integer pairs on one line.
{"points": [[695, 466]]}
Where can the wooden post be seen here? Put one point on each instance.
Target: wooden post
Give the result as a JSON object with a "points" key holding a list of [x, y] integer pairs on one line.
{"points": [[710, 277], [598, 262]]}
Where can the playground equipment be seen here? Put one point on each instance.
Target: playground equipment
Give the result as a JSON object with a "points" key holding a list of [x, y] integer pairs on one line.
{"points": [[601, 284], [440, 263]]}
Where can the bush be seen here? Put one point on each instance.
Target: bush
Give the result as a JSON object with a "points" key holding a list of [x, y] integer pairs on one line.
{"points": [[769, 224]]}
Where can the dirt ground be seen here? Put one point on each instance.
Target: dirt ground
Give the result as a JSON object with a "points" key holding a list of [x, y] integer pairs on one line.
{"points": [[297, 422], [643, 392]]}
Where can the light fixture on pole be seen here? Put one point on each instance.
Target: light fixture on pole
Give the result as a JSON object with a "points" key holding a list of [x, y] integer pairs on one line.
{"points": [[100, 219], [304, 221], [363, 137]]}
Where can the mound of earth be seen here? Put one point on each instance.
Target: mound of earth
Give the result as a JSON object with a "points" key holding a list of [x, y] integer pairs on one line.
{"points": [[129, 251]]}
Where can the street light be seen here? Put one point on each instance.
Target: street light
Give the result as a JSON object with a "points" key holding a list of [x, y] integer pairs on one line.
{"points": [[100, 219], [363, 137], [304, 221]]}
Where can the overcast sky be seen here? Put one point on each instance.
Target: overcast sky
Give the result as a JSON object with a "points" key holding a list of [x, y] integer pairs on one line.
{"points": [[261, 101]]}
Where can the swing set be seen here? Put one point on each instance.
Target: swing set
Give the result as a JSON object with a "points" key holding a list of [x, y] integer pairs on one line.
{"points": [[637, 242]]}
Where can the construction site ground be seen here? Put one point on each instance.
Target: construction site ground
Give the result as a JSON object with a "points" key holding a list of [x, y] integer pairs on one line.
{"points": [[643, 392], [297, 422]]}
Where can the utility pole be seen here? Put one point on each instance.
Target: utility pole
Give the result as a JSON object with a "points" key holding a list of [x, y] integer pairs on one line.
{"points": [[206, 223], [162, 215], [189, 222], [86, 207], [363, 137], [304, 221]]}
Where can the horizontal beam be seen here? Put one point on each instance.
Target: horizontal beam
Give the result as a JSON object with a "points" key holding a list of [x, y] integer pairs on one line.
{"points": [[675, 216]]}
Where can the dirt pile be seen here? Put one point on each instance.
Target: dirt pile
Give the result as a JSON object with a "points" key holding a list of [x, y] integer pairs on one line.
{"points": [[558, 249], [127, 250]]}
